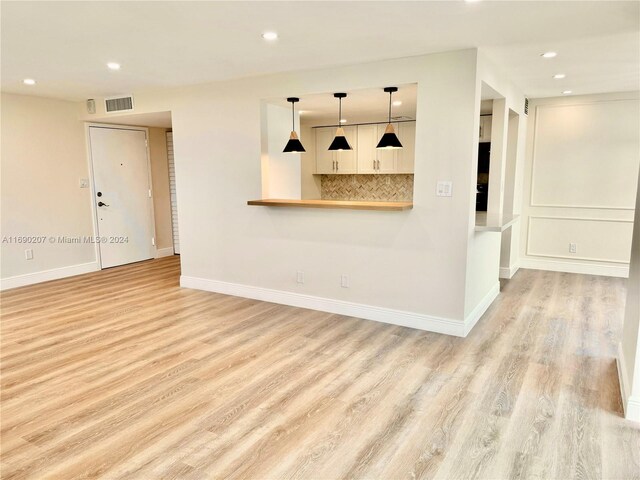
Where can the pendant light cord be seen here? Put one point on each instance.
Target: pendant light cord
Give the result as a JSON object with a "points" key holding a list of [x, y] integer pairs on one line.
{"points": [[390, 106], [293, 116], [339, 111]]}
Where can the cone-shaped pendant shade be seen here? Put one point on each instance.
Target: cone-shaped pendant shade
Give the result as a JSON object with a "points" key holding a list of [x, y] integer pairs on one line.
{"points": [[294, 145], [389, 139], [340, 141]]}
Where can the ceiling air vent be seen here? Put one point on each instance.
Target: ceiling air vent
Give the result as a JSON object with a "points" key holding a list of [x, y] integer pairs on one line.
{"points": [[526, 106], [118, 104]]}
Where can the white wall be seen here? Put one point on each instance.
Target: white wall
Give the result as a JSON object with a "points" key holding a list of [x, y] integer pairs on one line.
{"points": [[629, 348], [43, 160], [580, 183], [281, 176], [311, 186], [412, 261]]}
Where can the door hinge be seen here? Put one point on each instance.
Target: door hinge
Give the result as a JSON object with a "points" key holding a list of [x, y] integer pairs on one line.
{"points": [[149, 193], [153, 241], [146, 143]]}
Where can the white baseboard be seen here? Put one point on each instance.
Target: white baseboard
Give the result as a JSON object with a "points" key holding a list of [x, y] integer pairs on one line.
{"points": [[632, 412], [509, 272], [46, 275], [576, 267], [418, 321], [630, 403], [164, 252], [478, 311]]}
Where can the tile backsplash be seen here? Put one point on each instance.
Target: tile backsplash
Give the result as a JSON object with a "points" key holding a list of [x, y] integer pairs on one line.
{"points": [[393, 188]]}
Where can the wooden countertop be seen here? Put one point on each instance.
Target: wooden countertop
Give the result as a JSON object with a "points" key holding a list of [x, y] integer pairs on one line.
{"points": [[344, 204]]}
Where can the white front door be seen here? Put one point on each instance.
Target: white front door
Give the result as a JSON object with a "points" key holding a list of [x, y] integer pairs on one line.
{"points": [[122, 193]]}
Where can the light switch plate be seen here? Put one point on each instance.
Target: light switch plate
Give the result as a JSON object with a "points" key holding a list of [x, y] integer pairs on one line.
{"points": [[445, 189], [84, 183]]}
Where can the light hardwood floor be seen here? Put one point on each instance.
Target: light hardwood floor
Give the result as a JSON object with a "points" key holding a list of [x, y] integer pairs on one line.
{"points": [[122, 374]]}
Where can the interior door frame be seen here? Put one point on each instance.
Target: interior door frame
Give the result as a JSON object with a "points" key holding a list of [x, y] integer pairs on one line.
{"points": [[92, 187]]}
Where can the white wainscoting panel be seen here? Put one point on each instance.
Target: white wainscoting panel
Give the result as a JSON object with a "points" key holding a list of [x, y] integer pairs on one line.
{"points": [[598, 240]]}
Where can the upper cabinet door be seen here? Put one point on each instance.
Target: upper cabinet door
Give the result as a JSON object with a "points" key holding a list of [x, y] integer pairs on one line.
{"points": [[366, 150], [325, 159], [364, 157], [346, 160], [387, 158], [407, 154]]}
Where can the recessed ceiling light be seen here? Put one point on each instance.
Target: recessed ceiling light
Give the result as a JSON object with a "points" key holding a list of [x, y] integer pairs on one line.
{"points": [[113, 66], [549, 54], [397, 103], [567, 92], [29, 81], [343, 120], [559, 76], [269, 35]]}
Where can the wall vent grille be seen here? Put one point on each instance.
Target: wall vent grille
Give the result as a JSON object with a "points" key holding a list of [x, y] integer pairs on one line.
{"points": [[118, 104], [526, 106]]}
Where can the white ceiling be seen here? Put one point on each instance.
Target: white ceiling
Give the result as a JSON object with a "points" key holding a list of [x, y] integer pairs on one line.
{"points": [[65, 45]]}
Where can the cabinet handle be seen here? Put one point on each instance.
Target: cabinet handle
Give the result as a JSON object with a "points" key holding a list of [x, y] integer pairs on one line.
{"points": [[378, 165], [333, 166], [337, 165], [374, 164]]}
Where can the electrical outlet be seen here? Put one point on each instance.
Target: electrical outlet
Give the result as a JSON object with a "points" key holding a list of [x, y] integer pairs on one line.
{"points": [[344, 281], [300, 277], [444, 189], [573, 248], [28, 254]]}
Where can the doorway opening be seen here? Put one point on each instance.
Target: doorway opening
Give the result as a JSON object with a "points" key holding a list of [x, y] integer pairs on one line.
{"points": [[132, 167], [496, 205], [484, 154]]}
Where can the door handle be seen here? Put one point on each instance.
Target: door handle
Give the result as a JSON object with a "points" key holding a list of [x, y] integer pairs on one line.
{"points": [[102, 204]]}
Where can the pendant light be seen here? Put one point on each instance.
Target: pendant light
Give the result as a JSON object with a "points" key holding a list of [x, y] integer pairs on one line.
{"points": [[340, 141], [389, 140], [293, 145]]}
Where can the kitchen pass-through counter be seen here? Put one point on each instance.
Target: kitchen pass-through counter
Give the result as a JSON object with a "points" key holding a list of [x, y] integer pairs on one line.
{"points": [[340, 204]]}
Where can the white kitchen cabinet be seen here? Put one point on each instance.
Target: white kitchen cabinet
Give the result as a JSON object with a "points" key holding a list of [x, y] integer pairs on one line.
{"points": [[366, 149], [406, 155], [365, 158], [387, 157], [335, 162], [325, 160], [485, 128], [374, 160]]}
